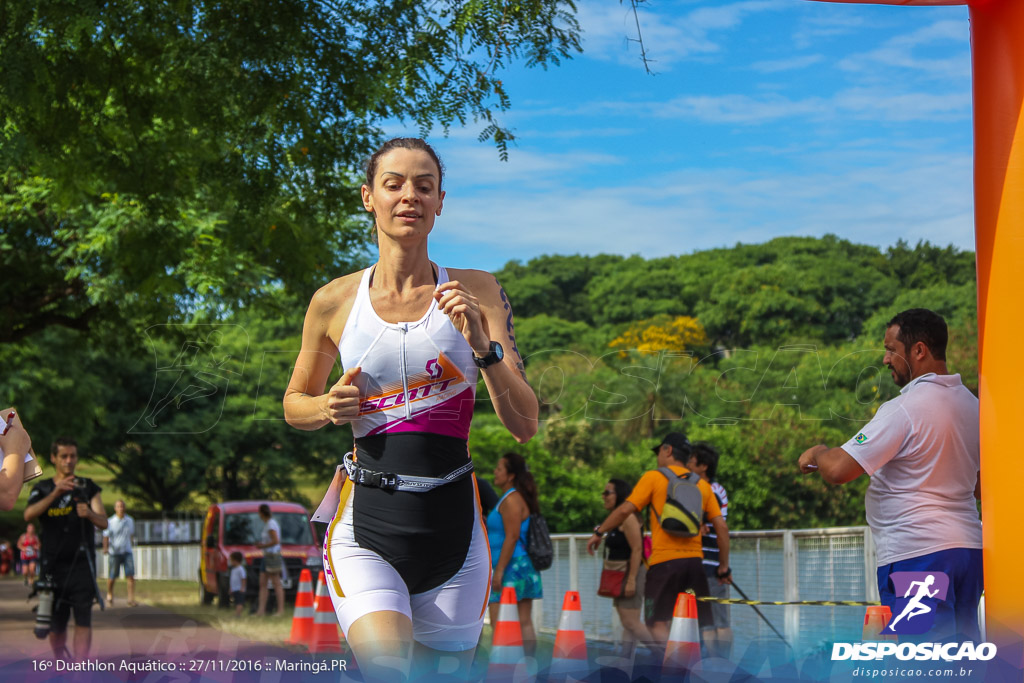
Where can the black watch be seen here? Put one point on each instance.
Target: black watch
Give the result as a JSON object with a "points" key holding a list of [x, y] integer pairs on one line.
{"points": [[494, 355]]}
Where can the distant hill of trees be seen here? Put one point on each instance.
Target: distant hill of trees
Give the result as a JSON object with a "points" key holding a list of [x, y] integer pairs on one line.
{"points": [[762, 350]]}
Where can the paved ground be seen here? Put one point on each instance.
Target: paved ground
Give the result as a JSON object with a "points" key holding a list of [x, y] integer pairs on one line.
{"points": [[143, 644]]}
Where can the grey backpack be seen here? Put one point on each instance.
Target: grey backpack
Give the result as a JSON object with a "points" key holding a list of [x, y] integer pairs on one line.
{"points": [[684, 505]]}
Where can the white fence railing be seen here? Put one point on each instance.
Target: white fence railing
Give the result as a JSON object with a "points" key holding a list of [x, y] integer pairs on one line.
{"points": [[164, 531], [179, 562], [777, 565]]}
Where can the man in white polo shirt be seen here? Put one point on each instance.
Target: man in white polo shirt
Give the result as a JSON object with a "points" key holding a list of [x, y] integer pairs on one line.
{"points": [[921, 451]]}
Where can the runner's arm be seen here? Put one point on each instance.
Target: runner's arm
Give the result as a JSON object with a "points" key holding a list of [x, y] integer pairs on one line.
{"points": [[15, 444], [306, 405], [514, 401]]}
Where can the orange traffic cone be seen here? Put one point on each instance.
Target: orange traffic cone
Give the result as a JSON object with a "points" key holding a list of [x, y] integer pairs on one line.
{"points": [[876, 618], [302, 620], [507, 649], [570, 653], [682, 650], [324, 637]]}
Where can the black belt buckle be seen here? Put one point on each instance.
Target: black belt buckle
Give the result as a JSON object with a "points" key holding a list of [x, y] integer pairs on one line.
{"points": [[382, 480]]}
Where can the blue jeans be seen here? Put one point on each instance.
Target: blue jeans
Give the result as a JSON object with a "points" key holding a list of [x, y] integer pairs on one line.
{"points": [[117, 560], [956, 617]]}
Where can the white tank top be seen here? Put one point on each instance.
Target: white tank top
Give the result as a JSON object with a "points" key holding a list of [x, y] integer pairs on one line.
{"points": [[415, 376]]}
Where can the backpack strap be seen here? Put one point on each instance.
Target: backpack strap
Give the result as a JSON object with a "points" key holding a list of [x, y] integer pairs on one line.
{"points": [[672, 478], [691, 477]]}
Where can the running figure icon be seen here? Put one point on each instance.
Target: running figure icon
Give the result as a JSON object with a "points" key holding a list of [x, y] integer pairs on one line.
{"points": [[915, 607]]}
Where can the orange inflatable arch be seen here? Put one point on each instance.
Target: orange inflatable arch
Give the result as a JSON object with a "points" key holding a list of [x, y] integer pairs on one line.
{"points": [[997, 50]]}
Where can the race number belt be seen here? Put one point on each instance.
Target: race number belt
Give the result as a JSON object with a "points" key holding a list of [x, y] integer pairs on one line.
{"points": [[389, 481]]}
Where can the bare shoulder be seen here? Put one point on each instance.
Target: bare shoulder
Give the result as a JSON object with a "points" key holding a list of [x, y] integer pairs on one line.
{"points": [[331, 304], [480, 282], [631, 522], [335, 292]]}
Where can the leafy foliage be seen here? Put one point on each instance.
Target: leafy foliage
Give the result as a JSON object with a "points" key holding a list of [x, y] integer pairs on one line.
{"points": [[164, 160]]}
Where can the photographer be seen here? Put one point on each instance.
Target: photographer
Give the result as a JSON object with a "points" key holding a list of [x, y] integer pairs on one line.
{"points": [[69, 508]]}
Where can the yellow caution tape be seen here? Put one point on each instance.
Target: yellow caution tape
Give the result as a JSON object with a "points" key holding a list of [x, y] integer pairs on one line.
{"points": [[825, 603]]}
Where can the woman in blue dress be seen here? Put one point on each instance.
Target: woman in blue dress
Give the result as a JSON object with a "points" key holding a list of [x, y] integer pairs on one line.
{"points": [[506, 532]]}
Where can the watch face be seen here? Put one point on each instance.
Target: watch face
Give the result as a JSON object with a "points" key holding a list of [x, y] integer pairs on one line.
{"points": [[494, 355]]}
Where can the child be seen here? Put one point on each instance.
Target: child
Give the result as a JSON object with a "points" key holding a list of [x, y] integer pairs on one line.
{"points": [[237, 582]]}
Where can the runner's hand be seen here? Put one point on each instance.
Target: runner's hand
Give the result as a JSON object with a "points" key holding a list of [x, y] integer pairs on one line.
{"points": [[463, 309], [342, 404]]}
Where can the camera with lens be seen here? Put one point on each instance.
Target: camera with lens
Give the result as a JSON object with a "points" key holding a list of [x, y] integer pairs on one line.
{"points": [[80, 493], [43, 587]]}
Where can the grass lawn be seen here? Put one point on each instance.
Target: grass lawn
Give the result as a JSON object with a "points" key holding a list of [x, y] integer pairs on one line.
{"points": [[182, 597]]}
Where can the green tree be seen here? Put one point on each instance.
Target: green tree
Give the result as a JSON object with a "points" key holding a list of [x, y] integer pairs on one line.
{"points": [[159, 159], [555, 285], [204, 416]]}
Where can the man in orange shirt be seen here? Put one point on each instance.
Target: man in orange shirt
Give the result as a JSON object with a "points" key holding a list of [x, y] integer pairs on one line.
{"points": [[676, 563]]}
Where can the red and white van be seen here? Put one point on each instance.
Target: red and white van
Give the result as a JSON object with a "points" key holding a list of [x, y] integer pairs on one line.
{"points": [[236, 525]]}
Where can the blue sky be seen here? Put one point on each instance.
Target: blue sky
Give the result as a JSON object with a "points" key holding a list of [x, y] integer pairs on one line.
{"points": [[765, 118]]}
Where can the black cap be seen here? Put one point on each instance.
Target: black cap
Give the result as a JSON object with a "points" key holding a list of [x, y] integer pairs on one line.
{"points": [[677, 440]]}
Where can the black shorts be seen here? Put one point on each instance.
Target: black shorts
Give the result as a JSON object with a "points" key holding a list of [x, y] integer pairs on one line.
{"points": [[73, 593], [666, 580]]}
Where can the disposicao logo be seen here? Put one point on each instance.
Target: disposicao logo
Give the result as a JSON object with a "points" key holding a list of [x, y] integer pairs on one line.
{"points": [[861, 438], [914, 613]]}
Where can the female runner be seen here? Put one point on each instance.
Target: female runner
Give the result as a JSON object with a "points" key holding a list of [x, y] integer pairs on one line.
{"points": [[406, 553]]}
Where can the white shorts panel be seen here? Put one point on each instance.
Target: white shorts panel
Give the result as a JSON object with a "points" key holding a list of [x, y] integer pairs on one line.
{"points": [[449, 617]]}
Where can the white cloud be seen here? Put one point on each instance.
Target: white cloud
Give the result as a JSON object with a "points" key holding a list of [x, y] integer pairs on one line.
{"points": [[826, 24], [610, 30], [915, 197], [877, 103], [873, 104], [904, 52], [477, 166]]}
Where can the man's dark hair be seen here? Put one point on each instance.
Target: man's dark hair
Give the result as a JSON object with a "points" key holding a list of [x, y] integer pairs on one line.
{"points": [[707, 455], [921, 325], [264, 509], [62, 441]]}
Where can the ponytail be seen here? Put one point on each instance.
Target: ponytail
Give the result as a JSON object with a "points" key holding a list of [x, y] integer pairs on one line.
{"points": [[525, 483]]}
